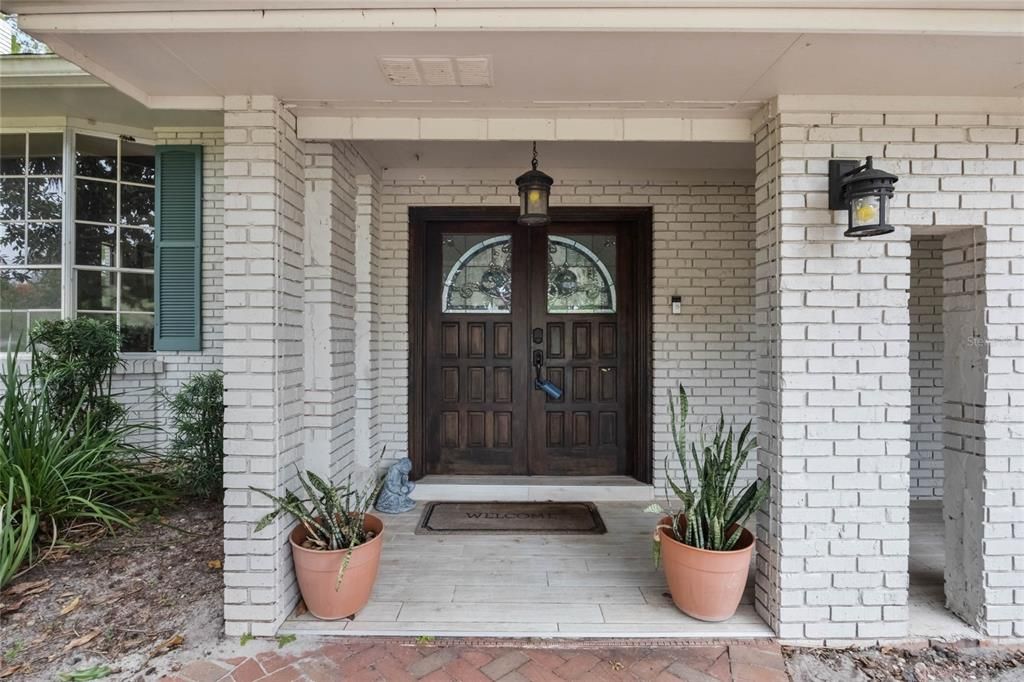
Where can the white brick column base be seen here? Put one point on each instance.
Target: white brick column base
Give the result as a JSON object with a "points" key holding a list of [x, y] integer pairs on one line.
{"points": [[263, 349]]}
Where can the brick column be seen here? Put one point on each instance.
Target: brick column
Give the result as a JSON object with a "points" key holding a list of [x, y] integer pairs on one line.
{"points": [[368, 212], [834, 384], [983, 321], [330, 290], [263, 350], [1003, 538]]}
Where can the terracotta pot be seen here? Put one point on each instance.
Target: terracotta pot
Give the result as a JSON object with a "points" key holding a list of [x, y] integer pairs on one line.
{"points": [[317, 573], [705, 584]]}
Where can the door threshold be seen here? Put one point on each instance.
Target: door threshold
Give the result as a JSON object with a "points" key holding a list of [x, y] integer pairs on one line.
{"points": [[532, 489]]}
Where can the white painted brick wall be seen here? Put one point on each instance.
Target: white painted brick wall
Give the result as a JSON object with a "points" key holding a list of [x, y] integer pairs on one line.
{"points": [[263, 354], [955, 170], [330, 307], [926, 368], [703, 251], [148, 377]]}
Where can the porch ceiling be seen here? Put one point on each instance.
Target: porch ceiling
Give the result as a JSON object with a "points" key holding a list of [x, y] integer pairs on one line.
{"points": [[656, 73]]}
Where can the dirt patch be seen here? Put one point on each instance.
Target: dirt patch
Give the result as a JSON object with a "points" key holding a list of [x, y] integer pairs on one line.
{"points": [[957, 661], [122, 601]]}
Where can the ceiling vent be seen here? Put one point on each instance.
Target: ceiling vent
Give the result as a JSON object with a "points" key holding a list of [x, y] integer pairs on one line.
{"points": [[437, 71]]}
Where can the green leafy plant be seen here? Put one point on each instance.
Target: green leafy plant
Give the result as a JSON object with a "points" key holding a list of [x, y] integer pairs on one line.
{"points": [[197, 450], [75, 360], [711, 515], [334, 517], [67, 466]]}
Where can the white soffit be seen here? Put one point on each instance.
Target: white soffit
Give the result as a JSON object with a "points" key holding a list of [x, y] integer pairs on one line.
{"points": [[666, 74]]}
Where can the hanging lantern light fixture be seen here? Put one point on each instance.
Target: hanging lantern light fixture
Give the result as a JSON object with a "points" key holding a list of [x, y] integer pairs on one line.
{"points": [[534, 193], [864, 192]]}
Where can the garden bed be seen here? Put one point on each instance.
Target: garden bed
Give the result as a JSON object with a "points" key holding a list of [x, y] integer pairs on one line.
{"points": [[121, 600], [935, 660]]}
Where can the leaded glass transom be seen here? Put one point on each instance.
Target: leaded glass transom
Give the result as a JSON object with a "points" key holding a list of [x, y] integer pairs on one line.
{"points": [[580, 278]]}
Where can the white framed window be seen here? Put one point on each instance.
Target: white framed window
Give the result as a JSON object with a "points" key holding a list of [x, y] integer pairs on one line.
{"points": [[114, 225], [77, 231], [32, 205]]}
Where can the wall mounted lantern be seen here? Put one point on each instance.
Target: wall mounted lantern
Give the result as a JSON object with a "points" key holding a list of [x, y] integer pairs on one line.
{"points": [[534, 192], [864, 193]]}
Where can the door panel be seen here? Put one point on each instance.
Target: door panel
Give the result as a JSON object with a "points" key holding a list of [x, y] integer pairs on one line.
{"points": [[474, 372], [579, 303], [494, 295]]}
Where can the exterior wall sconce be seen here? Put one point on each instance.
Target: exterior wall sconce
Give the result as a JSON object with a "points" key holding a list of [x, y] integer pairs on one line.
{"points": [[864, 193], [534, 193]]}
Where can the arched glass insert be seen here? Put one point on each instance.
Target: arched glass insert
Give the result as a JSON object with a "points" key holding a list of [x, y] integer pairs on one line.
{"points": [[580, 278], [477, 273]]}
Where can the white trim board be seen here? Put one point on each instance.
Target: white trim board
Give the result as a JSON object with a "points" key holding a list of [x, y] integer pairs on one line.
{"points": [[877, 20], [612, 129]]}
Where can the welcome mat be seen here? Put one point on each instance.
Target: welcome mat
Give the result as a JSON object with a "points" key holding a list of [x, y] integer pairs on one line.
{"points": [[547, 518]]}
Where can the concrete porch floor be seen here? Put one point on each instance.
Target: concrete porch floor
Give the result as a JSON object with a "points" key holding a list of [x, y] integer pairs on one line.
{"points": [[575, 586]]}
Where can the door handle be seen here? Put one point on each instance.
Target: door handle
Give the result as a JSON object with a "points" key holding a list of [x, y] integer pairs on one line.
{"points": [[540, 383]]}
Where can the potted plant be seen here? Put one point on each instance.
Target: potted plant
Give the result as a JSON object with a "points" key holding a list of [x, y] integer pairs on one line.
{"points": [[336, 544], [703, 546]]}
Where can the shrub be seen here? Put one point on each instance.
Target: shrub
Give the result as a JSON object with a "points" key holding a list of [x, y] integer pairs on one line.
{"points": [[75, 360], [711, 517], [68, 465], [197, 450]]}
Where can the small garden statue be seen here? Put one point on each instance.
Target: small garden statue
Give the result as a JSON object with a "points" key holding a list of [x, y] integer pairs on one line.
{"points": [[394, 494]]}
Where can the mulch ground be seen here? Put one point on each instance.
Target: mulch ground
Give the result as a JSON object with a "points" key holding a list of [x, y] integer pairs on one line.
{"points": [[120, 601], [953, 661]]}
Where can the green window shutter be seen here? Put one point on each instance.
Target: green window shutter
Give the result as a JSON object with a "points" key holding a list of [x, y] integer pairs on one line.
{"points": [[179, 247]]}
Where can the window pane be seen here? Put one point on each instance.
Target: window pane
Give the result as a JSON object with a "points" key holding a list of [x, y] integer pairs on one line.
{"points": [[477, 271], [95, 244], [136, 291], [44, 243], [27, 289], [581, 274], [96, 201], [138, 163], [137, 205], [12, 243], [137, 248], [136, 333], [12, 154], [96, 157], [97, 290], [45, 153], [45, 198], [12, 199], [13, 329]]}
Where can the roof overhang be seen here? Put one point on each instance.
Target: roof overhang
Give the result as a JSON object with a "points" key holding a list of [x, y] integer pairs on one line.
{"points": [[689, 69]]}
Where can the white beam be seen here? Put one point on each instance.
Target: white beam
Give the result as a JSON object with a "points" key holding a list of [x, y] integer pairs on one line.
{"points": [[614, 129]]}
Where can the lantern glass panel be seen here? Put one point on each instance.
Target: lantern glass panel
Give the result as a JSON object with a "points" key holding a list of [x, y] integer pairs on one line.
{"points": [[865, 211]]}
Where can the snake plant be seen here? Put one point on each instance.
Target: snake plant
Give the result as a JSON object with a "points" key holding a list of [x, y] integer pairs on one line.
{"points": [[333, 516], [711, 515]]}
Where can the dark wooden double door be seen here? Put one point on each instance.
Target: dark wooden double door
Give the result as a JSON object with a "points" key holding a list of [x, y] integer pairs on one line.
{"points": [[505, 305]]}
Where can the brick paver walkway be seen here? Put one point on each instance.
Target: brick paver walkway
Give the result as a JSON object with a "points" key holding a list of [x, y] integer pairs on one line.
{"points": [[465, 661]]}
